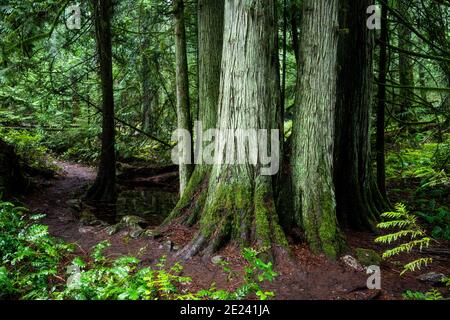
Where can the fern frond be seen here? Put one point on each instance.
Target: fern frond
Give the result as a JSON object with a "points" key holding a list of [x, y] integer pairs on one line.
{"points": [[392, 237], [416, 264], [407, 247], [395, 224]]}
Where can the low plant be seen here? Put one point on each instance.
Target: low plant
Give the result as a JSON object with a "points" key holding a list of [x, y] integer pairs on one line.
{"points": [[30, 258], [408, 230], [122, 279], [33, 264]]}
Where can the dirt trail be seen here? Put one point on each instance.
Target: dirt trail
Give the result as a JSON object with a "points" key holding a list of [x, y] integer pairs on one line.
{"points": [[303, 276]]}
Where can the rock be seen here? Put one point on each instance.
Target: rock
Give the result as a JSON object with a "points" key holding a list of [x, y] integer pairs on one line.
{"points": [[136, 233], [368, 257], [152, 234], [432, 277], [168, 246], [97, 222], [111, 230], [133, 221], [352, 263], [85, 230], [87, 217], [216, 259]]}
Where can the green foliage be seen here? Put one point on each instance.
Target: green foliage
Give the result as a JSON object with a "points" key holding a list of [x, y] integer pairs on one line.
{"points": [[427, 163], [33, 263], [433, 294], [408, 230], [256, 272], [122, 279], [439, 219], [29, 256], [28, 146]]}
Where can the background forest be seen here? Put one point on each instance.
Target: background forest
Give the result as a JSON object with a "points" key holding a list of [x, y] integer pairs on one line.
{"points": [[92, 206]]}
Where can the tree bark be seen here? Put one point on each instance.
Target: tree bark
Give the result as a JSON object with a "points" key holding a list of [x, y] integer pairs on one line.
{"points": [[381, 106], [294, 26], [12, 179], [182, 84], [358, 198], [239, 205], [104, 187], [313, 130], [405, 64], [210, 39]]}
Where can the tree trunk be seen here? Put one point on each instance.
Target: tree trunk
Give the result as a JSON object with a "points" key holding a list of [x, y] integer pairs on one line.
{"points": [[381, 106], [182, 84], [239, 205], [357, 195], [294, 26], [104, 187], [313, 131], [146, 88], [404, 62], [284, 55], [12, 179], [210, 39]]}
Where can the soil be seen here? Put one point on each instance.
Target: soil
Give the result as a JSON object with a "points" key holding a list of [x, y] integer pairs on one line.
{"points": [[302, 275]]}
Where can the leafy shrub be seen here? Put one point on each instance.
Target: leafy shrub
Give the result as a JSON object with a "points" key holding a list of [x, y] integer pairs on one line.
{"points": [[439, 219], [433, 294], [408, 230], [28, 146], [122, 279], [32, 264], [427, 163], [29, 256]]}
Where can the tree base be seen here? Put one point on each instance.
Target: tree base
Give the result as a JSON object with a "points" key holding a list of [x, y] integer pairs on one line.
{"points": [[238, 211]]}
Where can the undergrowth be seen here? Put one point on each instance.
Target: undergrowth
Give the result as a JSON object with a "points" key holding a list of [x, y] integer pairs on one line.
{"points": [[38, 266]]}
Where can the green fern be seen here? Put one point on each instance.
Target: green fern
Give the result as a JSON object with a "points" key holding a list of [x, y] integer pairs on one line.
{"points": [[410, 231]]}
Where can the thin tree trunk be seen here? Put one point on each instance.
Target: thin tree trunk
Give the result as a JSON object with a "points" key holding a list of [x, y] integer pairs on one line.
{"points": [[284, 55], [210, 40], [405, 63], [104, 187], [313, 131], [146, 87], [381, 107], [294, 26], [182, 84]]}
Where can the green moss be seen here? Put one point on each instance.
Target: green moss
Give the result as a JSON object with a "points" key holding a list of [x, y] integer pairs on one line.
{"points": [[368, 257], [196, 181], [320, 223]]}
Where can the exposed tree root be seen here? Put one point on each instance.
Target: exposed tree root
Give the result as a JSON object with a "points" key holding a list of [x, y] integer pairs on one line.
{"points": [[238, 211]]}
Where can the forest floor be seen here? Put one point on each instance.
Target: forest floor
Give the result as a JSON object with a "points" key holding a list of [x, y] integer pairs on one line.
{"points": [[303, 276]]}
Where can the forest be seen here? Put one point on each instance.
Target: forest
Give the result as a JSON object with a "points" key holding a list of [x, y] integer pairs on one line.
{"points": [[225, 150]]}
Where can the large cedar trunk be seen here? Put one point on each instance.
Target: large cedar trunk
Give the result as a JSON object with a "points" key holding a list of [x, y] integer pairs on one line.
{"points": [[357, 195], [210, 39], [104, 187], [313, 131], [239, 204]]}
